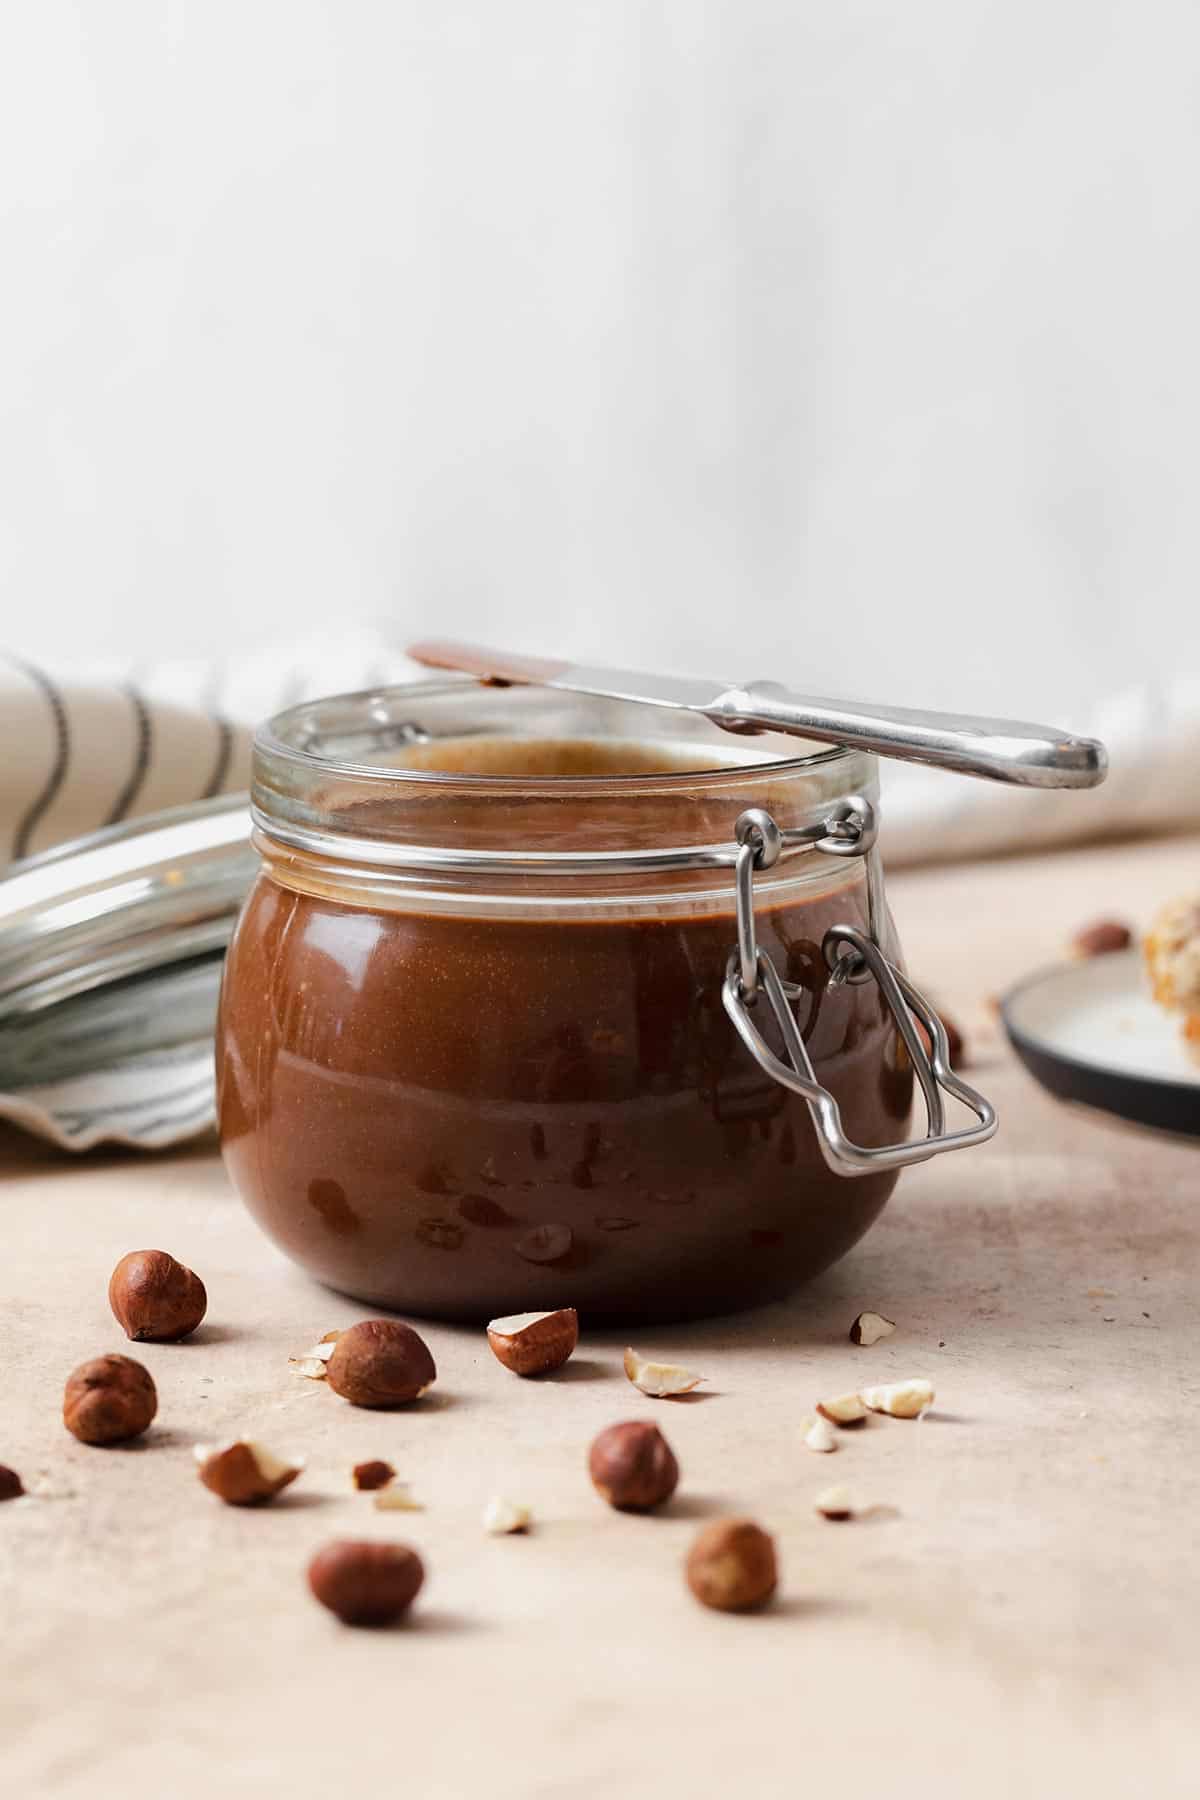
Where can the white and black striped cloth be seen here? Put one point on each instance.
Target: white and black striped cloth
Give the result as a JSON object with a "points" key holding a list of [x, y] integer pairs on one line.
{"points": [[92, 746]]}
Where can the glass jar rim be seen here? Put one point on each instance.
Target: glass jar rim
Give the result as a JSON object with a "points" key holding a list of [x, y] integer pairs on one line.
{"points": [[348, 779]]}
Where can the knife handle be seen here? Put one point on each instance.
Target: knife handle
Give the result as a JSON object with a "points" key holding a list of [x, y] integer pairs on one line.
{"points": [[1008, 750]]}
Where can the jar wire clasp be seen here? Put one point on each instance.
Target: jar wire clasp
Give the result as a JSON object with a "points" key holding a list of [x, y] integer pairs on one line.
{"points": [[850, 956]]}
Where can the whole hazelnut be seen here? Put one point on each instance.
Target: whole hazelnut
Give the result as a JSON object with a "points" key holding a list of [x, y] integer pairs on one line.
{"points": [[154, 1298], [534, 1343], [11, 1485], [108, 1400], [633, 1467], [731, 1565], [365, 1583], [1101, 938], [380, 1363]]}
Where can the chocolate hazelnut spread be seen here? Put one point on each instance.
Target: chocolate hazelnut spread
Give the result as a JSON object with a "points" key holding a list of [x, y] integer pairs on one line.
{"points": [[460, 1112]]}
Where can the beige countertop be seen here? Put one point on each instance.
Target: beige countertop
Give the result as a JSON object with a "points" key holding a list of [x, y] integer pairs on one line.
{"points": [[1021, 1616]]}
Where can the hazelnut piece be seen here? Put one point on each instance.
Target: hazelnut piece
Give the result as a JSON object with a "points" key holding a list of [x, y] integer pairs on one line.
{"points": [[731, 1565], [869, 1327], [155, 1300], [312, 1363], [632, 1466], [109, 1400], [900, 1399], [395, 1496], [1101, 938], [371, 1475], [380, 1363], [503, 1518], [364, 1583], [844, 1409], [533, 1343], [819, 1435], [242, 1473], [11, 1485], [835, 1503], [662, 1381]]}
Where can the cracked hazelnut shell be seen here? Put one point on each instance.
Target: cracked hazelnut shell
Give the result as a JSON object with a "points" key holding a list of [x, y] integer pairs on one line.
{"points": [[633, 1467], [11, 1485], [156, 1299], [366, 1583], [109, 1400], [380, 1363]]}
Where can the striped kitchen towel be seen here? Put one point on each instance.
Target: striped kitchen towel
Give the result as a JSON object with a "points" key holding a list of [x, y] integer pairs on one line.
{"points": [[96, 745]]}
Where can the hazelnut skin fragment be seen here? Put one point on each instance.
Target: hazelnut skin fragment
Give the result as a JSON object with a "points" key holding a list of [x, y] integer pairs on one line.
{"points": [[371, 1475], [243, 1474], [156, 1300], [109, 1400], [731, 1566], [633, 1467], [380, 1363], [534, 1343], [11, 1485], [366, 1583]]}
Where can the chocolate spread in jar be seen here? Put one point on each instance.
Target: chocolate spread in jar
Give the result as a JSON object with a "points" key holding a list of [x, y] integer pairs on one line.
{"points": [[460, 1115]]}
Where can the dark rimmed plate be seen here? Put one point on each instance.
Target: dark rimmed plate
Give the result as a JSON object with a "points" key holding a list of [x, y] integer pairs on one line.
{"points": [[1089, 1031]]}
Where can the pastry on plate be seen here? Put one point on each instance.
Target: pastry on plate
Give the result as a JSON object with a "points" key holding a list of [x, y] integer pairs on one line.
{"points": [[1172, 949]]}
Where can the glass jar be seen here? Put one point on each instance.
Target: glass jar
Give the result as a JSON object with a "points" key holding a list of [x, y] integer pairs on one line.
{"points": [[485, 1043]]}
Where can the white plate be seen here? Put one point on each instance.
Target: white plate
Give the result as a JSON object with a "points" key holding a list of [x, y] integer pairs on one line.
{"points": [[1090, 1031]]}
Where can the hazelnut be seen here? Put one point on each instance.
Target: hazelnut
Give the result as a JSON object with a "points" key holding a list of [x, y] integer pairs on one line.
{"points": [[662, 1381], [633, 1467], [1101, 938], [243, 1474], [844, 1409], [533, 1343], [900, 1399], [108, 1400], [11, 1485], [731, 1565], [154, 1298], [819, 1435], [371, 1475], [364, 1583], [381, 1363], [869, 1327], [835, 1503], [503, 1518]]}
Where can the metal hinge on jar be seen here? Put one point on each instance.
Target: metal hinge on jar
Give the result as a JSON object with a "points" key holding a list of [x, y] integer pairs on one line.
{"points": [[751, 978]]}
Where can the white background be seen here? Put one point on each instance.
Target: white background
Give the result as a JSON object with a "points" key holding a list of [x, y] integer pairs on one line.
{"points": [[841, 341]]}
